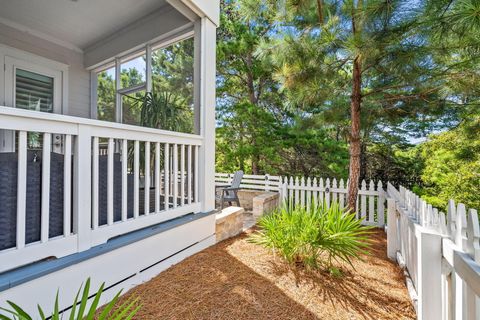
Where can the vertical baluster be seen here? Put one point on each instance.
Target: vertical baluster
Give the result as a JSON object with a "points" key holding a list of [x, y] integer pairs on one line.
{"points": [[196, 173], [95, 182], [21, 188], [157, 177], [47, 144], [189, 174], [147, 178], [111, 146], [67, 185], [371, 203], [363, 198], [182, 174], [175, 175], [290, 192], [136, 178], [124, 179], [166, 165]]}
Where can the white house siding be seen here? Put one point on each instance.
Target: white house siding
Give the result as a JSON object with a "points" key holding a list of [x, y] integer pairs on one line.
{"points": [[78, 78]]}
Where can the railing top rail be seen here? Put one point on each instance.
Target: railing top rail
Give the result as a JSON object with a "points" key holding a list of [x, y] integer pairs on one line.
{"points": [[95, 124]]}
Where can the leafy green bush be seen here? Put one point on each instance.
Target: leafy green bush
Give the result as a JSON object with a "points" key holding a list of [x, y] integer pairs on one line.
{"points": [[79, 311], [314, 237]]}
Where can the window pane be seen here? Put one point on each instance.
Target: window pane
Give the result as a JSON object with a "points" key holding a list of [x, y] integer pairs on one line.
{"points": [[133, 72], [106, 95], [172, 82], [132, 108], [33, 91]]}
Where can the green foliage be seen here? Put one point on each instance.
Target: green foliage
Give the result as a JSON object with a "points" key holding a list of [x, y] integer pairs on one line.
{"points": [[314, 237], [79, 311], [164, 110], [452, 165]]}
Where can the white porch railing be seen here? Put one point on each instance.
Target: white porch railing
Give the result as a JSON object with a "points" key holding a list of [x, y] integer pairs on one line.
{"points": [[440, 252], [301, 191], [143, 177]]}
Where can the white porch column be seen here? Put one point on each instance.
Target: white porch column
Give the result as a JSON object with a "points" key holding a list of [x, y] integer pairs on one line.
{"points": [[206, 78]]}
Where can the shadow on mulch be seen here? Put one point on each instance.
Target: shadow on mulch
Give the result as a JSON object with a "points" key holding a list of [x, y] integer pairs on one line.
{"points": [[239, 280]]}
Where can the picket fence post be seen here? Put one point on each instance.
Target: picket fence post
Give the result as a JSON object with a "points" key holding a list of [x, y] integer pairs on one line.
{"points": [[429, 287], [392, 230]]}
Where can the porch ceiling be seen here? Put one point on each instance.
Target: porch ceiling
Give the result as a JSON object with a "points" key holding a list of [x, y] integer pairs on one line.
{"points": [[80, 23]]}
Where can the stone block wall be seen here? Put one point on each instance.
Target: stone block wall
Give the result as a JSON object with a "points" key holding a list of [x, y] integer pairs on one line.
{"points": [[246, 198], [229, 223], [265, 203]]}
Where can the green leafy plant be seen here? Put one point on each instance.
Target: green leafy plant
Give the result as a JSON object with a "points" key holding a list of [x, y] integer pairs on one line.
{"points": [[79, 310], [315, 237]]}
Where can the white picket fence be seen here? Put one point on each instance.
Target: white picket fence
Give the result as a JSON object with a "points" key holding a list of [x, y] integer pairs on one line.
{"points": [[305, 191], [440, 253]]}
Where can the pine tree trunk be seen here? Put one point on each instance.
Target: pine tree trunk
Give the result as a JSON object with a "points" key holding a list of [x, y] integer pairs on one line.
{"points": [[355, 141]]}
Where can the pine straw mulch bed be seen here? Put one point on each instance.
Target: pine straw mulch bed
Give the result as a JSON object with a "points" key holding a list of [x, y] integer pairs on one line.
{"points": [[239, 280]]}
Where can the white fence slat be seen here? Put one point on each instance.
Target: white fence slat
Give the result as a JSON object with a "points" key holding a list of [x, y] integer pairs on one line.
{"points": [[309, 193], [371, 204], [315, 192], [334, 191], [363, 201], [380, 205], [302, 191], [95, 182], [327, 192], [45, 210], [67, 185], [290, 191], [341, 196], [297, 192]]}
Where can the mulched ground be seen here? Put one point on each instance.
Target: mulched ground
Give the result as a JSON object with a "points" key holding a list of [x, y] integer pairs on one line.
{"points": [[239, 280]]}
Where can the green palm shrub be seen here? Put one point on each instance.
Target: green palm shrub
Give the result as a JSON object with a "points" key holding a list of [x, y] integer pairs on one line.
{"points": [[79, 310], [315, 237]]}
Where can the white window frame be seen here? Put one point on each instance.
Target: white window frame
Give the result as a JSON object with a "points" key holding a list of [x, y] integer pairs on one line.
{"points": [[13, 58], [117, 62]]}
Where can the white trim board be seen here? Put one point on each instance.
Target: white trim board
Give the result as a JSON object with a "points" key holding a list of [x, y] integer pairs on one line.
{"points": [[133, 264]]}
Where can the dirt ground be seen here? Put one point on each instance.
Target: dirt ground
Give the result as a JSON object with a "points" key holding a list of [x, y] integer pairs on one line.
{"points": [[239, 280]]}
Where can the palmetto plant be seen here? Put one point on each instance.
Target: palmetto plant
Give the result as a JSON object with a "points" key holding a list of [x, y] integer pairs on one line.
{"points": [[79, 310], [315, 237], [162, 110]]}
